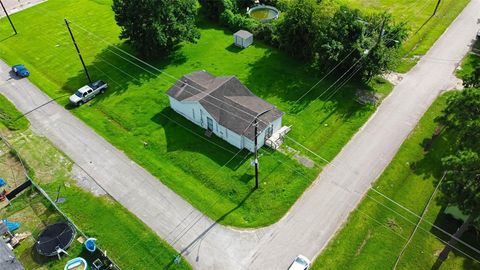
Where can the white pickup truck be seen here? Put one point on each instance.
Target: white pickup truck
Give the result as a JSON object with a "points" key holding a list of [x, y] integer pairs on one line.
{"points": [[88, 92]]}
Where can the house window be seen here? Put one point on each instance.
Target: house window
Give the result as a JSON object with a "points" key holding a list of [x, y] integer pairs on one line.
{"points": [[226, 133], [193, 113]]}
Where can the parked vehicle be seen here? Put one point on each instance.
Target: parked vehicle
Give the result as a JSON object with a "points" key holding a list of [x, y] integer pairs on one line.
{"points": [[300, 263], [20, 70], [88, 92]]}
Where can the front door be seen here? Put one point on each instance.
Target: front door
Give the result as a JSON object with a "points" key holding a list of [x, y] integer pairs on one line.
{"points": [[209, 123], [269, 132]]}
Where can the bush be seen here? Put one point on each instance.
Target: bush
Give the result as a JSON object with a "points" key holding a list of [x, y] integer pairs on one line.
{"points": [[266, 32], [244, 4], [214, 8], [235, 21]]}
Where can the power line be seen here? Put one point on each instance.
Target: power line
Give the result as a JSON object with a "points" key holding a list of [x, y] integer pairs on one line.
{"points": [[343, 83], [426, 221]]}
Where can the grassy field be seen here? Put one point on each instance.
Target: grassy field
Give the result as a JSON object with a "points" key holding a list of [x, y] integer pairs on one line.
{"points": [[10, 117], [209, 173], [377, 230], [129, 242], [425, 29]]}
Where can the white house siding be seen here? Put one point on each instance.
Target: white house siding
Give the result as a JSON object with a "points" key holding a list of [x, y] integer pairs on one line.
{"points": [[249, 144], [195, 112]]}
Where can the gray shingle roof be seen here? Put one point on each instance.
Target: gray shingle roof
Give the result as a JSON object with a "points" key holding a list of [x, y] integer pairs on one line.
{"points": [[227, 100], [243, 34]]}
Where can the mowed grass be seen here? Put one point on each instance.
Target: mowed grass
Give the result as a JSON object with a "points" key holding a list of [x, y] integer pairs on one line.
{"points": [[129, 242], [134, 114], [10, 117], [377, 230], [92, 214], [425, 29], [470, 62]]}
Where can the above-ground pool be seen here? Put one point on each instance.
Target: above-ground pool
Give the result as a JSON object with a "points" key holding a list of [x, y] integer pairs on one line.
{"points": [[263, 13]]}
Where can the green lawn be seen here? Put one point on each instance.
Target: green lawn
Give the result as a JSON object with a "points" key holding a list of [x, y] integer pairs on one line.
{"points": [[129, 242], [374, 234], [424, 29], [471, 60], [135, 109], [10, 117]]}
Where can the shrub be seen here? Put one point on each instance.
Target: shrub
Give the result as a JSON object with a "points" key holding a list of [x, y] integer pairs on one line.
{"points": [[235, 21]]}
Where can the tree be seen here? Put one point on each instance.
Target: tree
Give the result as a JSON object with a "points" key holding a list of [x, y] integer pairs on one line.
{"points": [[155, 27], [357, 43], [214, 8], [296, 32], [461, 187], [462, 115]]}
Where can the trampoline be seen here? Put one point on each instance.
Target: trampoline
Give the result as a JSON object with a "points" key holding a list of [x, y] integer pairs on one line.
{"points": [[55, 239]]}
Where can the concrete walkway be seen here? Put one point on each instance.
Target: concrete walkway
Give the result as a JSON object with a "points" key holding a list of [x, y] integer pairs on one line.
{"points": [[318, 214]]}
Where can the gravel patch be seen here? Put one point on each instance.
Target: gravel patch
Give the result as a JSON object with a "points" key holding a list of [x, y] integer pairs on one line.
{"points": [[86, 182]]}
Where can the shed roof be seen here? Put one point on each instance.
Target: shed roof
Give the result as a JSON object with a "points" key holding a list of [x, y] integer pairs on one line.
{"points": [[227, 100], [243, 34]]}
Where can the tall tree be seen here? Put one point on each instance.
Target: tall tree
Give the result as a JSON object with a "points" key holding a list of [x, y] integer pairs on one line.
{"points": [[367, 43], [462, 115], [214, 8], [155, 27], [296, 32], [461, 187]]}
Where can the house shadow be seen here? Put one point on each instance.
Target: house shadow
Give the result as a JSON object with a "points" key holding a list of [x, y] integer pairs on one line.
{"points": [[183, 135], [120, 70]]}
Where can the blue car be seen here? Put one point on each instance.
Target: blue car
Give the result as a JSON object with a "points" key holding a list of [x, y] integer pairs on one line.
{"points": [[20, 70]]}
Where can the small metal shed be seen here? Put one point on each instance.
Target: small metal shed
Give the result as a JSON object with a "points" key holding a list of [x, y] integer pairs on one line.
{"points": [[243, 38]]}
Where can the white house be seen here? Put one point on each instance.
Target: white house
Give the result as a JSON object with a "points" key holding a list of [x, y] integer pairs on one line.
{"points": [[243, 38], [225, 107]]}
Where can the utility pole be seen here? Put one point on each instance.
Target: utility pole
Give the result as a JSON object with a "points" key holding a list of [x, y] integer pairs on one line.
{"points": [[11, 23], [255, 124], [436, 7], [78, 51]]}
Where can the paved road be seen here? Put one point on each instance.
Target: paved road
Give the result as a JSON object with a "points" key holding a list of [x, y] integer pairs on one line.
{"points": [[14, 6], [311, 222]]}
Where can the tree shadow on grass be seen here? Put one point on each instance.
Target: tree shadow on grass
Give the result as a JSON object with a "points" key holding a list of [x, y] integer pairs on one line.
{"points": [[472, 237], [276, 75], [120, 71], [183, 135], [435, 148]]}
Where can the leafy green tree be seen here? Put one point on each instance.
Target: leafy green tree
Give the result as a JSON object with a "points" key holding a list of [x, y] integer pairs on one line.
{"points": [[462, 115], [214, 8], [297, 31], [461, 187], [155, 27], [354, 42]]}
